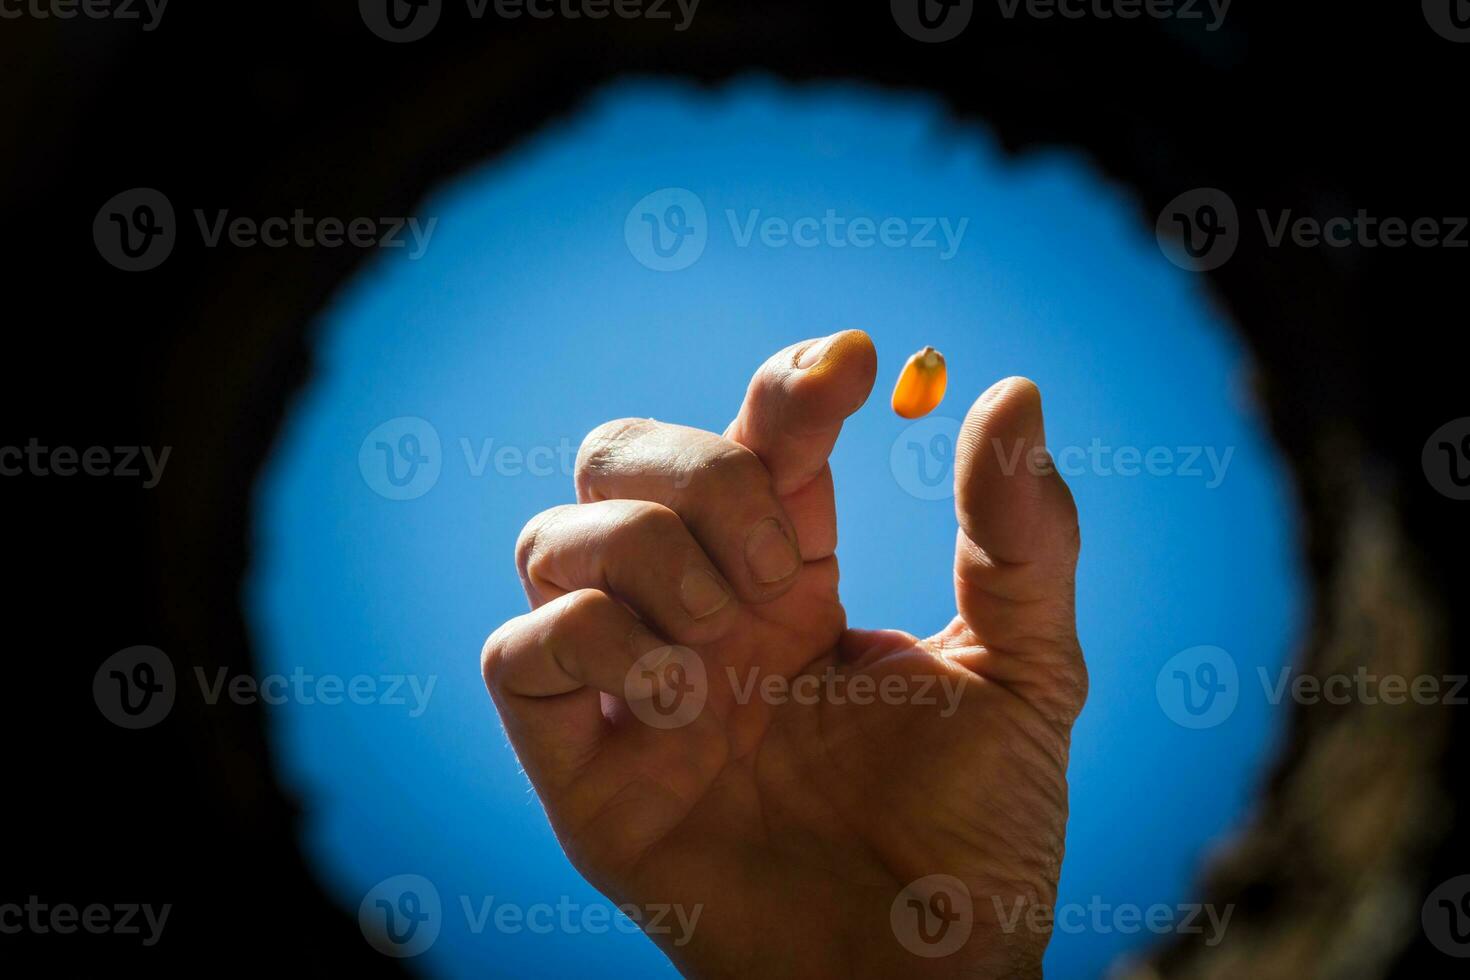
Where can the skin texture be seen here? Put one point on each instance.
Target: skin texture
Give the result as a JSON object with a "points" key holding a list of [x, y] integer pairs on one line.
{"points": [[792, 825]]}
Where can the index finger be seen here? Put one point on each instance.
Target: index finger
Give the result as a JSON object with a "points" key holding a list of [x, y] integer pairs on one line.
{"points": [[791, 417]]}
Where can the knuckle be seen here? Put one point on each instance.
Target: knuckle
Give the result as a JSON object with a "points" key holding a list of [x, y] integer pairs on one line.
{"points": [[602, 448], [575, 609], [730, 466], [492, 655], [646, 519], [529, 550], [579, 616]]}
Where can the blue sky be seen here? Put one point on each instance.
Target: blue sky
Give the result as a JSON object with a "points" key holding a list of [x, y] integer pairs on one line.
{"points": [[529, 320]]}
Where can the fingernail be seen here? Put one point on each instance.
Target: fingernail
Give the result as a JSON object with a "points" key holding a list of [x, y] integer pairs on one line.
{"points": [[702, 593], [815, 353], [769, 553]]}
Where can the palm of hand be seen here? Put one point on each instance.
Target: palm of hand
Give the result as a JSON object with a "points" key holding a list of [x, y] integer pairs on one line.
{"points": [[832, 789]]}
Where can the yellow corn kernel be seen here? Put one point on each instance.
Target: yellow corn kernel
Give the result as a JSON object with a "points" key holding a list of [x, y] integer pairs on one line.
{"points": [[920, 384]]}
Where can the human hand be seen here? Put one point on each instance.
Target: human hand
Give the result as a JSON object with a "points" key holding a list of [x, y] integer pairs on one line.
{"points": [[796, 825]]}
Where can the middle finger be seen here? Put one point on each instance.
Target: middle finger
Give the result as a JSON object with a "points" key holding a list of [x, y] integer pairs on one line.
{"points": [[720, 489]]}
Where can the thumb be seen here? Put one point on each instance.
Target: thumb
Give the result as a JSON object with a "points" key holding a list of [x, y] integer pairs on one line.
{"points": [[1016, 552]]}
